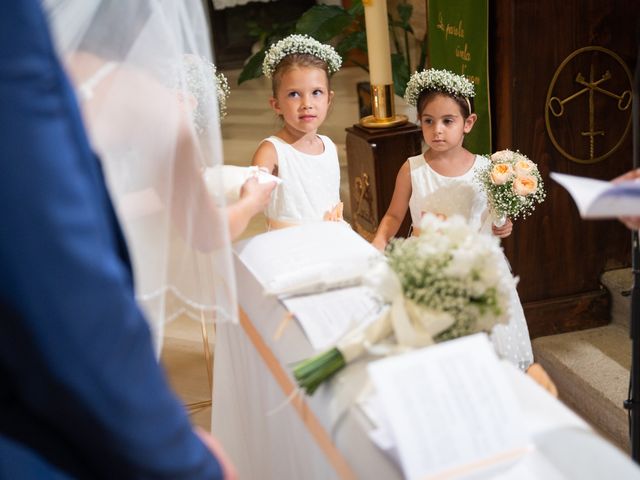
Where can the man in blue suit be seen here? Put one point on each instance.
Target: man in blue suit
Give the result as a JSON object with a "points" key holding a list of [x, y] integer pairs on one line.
{"points": [[81, 393]]}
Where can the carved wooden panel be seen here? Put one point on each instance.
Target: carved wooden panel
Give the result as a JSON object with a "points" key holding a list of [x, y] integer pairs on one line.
{"points": [[374, 158], [555, 97]]}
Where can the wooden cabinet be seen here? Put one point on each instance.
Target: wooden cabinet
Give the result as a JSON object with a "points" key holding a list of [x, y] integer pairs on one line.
{"points": [[375, 156], [559, 94]]}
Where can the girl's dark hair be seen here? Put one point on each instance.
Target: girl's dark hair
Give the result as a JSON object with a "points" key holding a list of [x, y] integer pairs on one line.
{"points": [[297, 60], [465, 104]]}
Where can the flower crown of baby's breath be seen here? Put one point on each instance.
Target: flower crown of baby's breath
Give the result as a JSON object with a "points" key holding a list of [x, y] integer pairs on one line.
{"points": [[222, 92], [197, 72], [300, 44], [437, 81]]}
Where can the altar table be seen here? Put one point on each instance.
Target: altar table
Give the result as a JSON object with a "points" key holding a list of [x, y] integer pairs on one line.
{"points": [[273, 431]]}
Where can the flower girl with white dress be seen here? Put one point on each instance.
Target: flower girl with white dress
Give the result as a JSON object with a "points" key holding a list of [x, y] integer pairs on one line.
{"points": [[441, 181], [307, 163]]}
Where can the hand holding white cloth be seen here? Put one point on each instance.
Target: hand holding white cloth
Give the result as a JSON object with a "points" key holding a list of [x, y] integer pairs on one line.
{"points": [[233, 177]]}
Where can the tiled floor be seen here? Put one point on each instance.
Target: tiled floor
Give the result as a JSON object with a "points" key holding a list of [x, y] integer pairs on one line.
{"points": [[249, 119]]}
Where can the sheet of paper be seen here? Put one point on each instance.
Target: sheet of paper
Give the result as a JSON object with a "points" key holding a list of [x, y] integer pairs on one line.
{"points": [[326, 317], [600, 199], [450, 408], [322, 253]]}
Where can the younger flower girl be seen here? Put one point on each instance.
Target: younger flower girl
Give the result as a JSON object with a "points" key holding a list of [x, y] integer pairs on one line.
{"points": [[441, 181]]}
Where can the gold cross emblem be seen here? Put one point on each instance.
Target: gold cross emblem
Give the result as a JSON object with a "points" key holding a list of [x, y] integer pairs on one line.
{"points": [[566, 117]]}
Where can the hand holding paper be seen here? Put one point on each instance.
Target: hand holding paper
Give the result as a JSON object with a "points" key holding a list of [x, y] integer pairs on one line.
{"points": [[602, 199]]}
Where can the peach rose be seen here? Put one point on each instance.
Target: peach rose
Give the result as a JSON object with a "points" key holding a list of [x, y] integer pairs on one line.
{"points": [[501, 173], [525, 185], [524, 167], [502, 156]]}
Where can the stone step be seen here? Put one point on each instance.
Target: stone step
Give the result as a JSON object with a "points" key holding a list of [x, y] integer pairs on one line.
{"points": [[619, 283], [591, 371]]}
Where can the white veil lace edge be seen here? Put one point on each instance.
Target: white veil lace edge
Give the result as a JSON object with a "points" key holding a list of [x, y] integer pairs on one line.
{"points": [[141, 73]]}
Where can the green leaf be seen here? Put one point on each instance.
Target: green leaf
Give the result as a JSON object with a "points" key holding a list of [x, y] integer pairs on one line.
{"points": [[400, 71], [422, 60], [352, 40], [324, 22], [253, 68], [357, 9]]}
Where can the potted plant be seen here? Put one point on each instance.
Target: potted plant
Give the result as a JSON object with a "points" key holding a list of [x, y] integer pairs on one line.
{"points": [[344, 27]]}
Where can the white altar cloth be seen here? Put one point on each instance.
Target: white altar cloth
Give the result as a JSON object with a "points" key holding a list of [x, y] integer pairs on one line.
{"points": [[272, 432]]}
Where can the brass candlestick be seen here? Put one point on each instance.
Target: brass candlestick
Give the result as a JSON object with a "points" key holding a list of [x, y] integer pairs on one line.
{"points": [[383, 109]]}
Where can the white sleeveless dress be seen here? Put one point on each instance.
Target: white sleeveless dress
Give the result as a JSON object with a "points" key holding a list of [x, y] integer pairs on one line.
{"points": [[438, 194], [310, 183]]}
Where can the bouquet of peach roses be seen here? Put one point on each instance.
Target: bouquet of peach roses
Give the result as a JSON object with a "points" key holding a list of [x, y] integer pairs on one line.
{"points": [[513, 185]]}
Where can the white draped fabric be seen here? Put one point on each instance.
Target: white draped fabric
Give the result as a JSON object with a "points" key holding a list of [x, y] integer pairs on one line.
{"points": [[132, 64], [270, 434]]}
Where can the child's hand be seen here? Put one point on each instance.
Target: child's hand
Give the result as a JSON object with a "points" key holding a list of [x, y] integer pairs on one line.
{"points": [[379, 243], [504, 231], [335, 214]]}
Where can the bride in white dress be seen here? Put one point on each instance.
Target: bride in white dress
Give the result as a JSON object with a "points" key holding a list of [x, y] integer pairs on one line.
{"points": [[129, 62]]}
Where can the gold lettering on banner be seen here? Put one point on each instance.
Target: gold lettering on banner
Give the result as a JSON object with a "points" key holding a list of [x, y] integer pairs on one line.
{"points": [[463, 54], [461, 50], [450, 29], [615, 90]]}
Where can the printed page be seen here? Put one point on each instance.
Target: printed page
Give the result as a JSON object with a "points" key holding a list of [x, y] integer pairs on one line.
{"points": [[600, 199], [450, 408], [308, 258], [326, 317]]}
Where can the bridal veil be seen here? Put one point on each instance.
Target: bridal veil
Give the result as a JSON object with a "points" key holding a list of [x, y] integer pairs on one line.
{"points": [[143, 79]]}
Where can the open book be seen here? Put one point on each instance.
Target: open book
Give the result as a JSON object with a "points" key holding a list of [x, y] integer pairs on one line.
{"points": [[449, 410], [602, 199]]}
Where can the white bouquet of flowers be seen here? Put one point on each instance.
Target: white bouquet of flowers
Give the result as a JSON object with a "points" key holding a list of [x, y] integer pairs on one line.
{"points": [[449, 282], [513, 185]]}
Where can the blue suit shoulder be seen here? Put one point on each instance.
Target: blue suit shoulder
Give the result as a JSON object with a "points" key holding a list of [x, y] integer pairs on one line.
{"points": [[82, 391]]}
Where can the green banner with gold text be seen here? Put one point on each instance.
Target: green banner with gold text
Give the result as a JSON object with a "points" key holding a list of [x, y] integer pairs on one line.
{"points": [[458, 40]]}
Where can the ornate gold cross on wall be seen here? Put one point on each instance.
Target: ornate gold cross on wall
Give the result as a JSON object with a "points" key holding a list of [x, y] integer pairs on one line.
{"points": [[555, 106]]}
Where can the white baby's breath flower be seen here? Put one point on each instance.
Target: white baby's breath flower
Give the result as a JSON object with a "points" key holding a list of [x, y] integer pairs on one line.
{"points": [[437, 81], [199, 78], [300, 44], [453, 269]]}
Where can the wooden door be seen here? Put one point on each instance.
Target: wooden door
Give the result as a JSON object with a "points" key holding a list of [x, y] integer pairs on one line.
{"points": [[561, 95]]}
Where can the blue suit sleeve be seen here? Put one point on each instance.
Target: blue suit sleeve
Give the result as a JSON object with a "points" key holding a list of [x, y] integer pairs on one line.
{"points": [[75, 349]]}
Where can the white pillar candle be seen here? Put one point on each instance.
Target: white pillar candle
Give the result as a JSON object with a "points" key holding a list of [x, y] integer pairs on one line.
{"points": [[375, 16]]}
